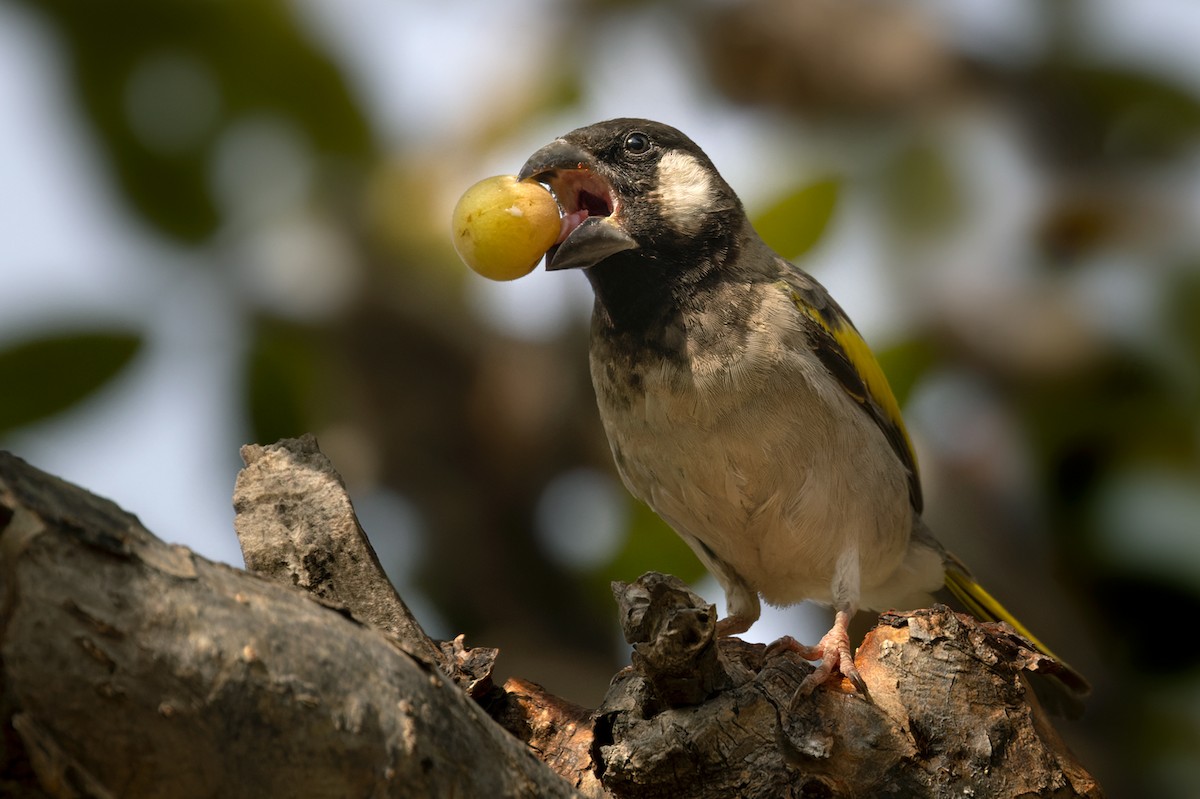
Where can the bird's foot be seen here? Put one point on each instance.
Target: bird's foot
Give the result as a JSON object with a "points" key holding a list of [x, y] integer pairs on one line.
{"points": [[734, 625], [833, 650]]}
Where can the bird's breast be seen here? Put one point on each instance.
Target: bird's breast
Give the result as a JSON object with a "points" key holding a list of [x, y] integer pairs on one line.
{"points": [[744, 443]]}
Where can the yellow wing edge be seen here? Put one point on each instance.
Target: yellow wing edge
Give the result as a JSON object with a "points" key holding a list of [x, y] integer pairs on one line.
{"points": [[863, 360]]}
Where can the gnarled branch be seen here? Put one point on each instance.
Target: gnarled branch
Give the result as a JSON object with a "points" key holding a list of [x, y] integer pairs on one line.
{"points": [[134, 668]]}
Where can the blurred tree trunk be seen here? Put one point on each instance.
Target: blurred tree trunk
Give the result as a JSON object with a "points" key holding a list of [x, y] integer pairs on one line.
{"points": [[134, 668]]}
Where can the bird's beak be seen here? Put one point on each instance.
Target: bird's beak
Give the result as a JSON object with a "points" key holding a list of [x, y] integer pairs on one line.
{"points": [[591, 229]]}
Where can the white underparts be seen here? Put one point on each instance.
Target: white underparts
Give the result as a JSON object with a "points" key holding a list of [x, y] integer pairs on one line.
{"points": [[684, 193], [846, 580]]}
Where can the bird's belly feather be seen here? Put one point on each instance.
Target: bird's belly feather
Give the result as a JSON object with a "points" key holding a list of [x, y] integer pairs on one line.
{"points": [[739, 460]]}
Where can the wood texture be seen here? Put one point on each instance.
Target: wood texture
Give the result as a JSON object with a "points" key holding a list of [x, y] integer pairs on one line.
{"points": [[950, 712], [132, 668]]}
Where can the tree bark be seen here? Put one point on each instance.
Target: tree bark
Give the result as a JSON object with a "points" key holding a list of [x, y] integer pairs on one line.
{"points": [[132, 668], [136, 669], [296, 525], [949, 712]]}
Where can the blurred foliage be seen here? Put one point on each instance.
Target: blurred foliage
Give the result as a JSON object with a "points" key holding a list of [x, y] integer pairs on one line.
{"points": [[1182, 301], [650, 540], [794, 224], [1090, 114], [921, 191], [48, 375], [412, 391], [283, 379], [159, 80], [826, 58], [906, 362]]}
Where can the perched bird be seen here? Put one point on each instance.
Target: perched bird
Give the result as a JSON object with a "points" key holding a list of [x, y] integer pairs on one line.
{"points": [[739, 401]]}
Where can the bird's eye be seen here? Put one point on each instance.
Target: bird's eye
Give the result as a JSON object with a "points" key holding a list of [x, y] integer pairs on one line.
{"points": [[637, 143]]}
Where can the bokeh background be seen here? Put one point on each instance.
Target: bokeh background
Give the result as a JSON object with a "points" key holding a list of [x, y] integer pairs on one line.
{"points": [[226, 222]]}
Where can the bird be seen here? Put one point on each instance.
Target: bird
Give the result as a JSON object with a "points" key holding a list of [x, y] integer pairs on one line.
{"points": [[739, 400]]}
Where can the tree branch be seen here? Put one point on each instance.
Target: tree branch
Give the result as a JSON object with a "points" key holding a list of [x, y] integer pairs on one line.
{"points": [[949, 713], [134, 668], [296, 526]]}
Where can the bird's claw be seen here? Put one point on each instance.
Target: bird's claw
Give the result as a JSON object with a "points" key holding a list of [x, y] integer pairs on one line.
{"points": [[833, 651]]}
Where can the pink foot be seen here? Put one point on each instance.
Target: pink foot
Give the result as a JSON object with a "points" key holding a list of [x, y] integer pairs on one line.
{"points": [[833, 651]]}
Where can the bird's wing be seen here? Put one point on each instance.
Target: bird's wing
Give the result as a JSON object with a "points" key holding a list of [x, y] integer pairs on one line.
{"points": [[842, 351]]}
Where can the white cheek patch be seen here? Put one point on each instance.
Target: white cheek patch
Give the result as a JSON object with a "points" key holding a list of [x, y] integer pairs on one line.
{"points": [[684, 193]]}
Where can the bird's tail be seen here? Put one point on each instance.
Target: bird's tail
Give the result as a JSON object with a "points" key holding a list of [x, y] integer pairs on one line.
{"points": [[986, 607]]}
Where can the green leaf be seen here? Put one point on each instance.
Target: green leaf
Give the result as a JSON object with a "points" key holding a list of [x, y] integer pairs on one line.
{"points": [[921, 191], [906, 362], [281, 375], [652, 546], [795, 223], [48, 375], [1112, 113], [1181, 315]]}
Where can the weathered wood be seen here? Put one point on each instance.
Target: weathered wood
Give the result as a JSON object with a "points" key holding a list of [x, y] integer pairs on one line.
{"points": [[559, 732], [136, 669], [133, 668], [296, 525], [949, 713]]}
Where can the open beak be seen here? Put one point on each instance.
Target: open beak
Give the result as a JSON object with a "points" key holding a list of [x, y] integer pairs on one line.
{"points": [[591, 229]]}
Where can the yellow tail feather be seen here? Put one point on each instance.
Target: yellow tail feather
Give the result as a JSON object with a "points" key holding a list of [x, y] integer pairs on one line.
{"points": [[984, 606], [1062, 692]]}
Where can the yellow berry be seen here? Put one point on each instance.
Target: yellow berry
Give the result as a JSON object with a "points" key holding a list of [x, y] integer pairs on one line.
{"points": [[502, 226]]}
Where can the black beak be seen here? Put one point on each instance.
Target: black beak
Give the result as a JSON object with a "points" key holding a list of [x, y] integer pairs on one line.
{"points": [[591, 228], [555, 156]]}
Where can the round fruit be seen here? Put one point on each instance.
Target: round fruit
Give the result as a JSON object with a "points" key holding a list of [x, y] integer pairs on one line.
{"points": [[503, 226]]}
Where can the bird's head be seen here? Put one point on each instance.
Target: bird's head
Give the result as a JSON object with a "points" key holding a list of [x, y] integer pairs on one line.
{"points": [[637, 187]]}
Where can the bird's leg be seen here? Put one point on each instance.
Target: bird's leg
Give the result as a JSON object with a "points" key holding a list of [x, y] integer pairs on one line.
{"points": [[735, 624], [741, 602], [833, 650]]}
